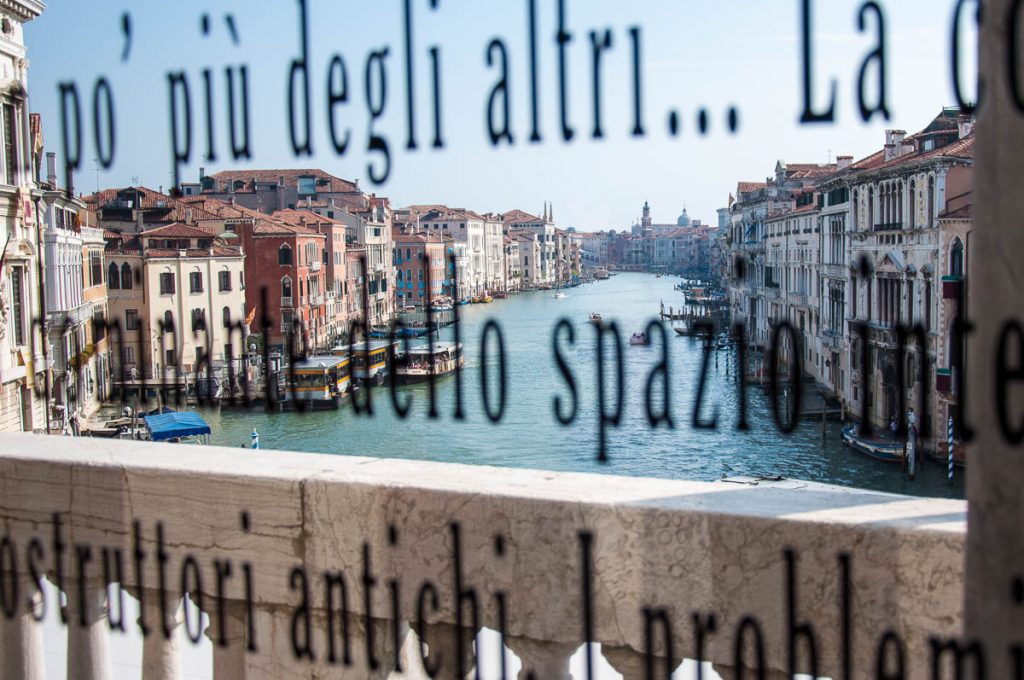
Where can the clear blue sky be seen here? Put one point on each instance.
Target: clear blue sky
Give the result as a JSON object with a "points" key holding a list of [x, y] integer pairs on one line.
{"points": [[695, 54]]}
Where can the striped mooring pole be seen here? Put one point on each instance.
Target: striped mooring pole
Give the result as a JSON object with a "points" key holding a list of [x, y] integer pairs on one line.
{"points": [[255, 439], [949, 445]]}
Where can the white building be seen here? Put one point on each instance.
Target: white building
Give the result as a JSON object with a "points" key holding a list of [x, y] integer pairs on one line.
{"points": [[22, 347]]}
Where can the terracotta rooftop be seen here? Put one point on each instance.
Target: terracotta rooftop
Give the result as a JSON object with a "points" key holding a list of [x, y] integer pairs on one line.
{"points": [[744, 187], [175, 230], [326, 183], [148, 199]]}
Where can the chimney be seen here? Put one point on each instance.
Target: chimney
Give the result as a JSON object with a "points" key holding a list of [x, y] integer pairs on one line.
{"points": [[843, 162], [202, 173], [894, 143], [280, 180], [965, 124], [51, 169]]}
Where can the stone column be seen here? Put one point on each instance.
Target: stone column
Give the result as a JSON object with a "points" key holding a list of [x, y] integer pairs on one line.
{"points": [[542, 660], [229, 661], [161, 657], [994, 280], [88, 633], [21, 641]]}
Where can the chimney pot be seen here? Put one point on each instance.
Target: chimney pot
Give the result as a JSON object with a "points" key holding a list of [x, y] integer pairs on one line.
{"points": [[51, 169]]}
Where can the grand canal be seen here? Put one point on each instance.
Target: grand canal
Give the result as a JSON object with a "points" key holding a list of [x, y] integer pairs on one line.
{"points": [[529, 434]]}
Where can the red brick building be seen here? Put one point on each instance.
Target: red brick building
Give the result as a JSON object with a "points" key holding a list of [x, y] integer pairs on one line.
{"points": [[410, 259]]}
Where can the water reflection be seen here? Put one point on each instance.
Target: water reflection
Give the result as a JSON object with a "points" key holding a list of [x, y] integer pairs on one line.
{"points": [[529, 434]]}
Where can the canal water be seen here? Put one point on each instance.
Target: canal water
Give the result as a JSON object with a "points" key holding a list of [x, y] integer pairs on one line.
{"points": [[529, 434]]}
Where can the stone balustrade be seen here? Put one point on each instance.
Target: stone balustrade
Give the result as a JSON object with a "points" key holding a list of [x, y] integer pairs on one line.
{"points": [[335, 566]]}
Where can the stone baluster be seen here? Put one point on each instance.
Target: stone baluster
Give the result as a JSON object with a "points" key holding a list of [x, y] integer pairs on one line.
{"points": [[729, 672], [161, 657], [21, 639], [442, 648], [229, 660], [543, 660], [630, 663], [88, 633]]}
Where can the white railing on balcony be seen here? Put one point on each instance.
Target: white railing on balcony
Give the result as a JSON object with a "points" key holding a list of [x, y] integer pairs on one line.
{"points": [[286, 301], [248, 533], [314, 266]]}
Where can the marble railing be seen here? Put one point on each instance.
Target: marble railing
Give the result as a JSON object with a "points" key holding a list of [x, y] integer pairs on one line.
{"points": [[259, 539]]}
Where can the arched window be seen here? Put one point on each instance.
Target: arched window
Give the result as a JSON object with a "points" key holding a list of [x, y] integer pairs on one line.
{"points": [[899, 202], [198, 320], [127, 277], [286, 287], [871, 207], [113, 277], [226, 315], [856, 209], [284, 255], [931, 201], [956, 258], [169, 321], [913, 204]]}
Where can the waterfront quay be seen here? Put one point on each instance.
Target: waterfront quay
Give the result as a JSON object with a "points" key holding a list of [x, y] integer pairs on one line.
{"points": [[529, 434]]}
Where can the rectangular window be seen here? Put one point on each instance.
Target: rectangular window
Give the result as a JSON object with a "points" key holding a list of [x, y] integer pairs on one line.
{"points": [[10, 145], [195, 282], [241, 280], [169, 358], [131, 320], [95, 268], [224, 281], [167, 283], [128, 355], [18, 305]]}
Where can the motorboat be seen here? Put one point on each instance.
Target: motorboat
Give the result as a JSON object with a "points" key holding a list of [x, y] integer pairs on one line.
{"points": [[878, 448], [559, 295], [595, 318], [639, 339]]}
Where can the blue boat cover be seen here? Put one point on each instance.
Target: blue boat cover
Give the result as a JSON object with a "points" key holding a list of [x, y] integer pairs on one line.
{"points": [[174, 425]]}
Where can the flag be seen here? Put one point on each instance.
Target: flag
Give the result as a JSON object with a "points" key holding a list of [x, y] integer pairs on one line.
{"points": [[250, 317]]}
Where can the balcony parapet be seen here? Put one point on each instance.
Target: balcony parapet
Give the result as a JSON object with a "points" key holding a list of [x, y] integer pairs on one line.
{"points": [[680, 547]]}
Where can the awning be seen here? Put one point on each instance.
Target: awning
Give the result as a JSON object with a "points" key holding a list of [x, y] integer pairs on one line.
{"points": [[175, 425]]}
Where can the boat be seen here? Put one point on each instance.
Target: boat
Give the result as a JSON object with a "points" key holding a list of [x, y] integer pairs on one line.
{"points": [[422, 361], [476, 299], [487, 299], [682, 329], [639, 339], [559, 295], [179, 427], [880, 449], [366, 366], [595, 318], [500, 295], [317, 382]]}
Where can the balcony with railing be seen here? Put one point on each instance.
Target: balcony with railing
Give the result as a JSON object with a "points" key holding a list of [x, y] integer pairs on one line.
{"points": [[286, 300], [359, 560], [315, 266]]}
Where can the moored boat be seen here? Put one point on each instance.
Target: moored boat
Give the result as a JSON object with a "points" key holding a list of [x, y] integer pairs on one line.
{"points": [[317, 382], [595, 318], [422, 361], [369, 366], [880, 449], [639, 339]]}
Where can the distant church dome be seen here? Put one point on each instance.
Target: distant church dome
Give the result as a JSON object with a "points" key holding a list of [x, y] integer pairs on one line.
{"points": [[684, 219]]}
